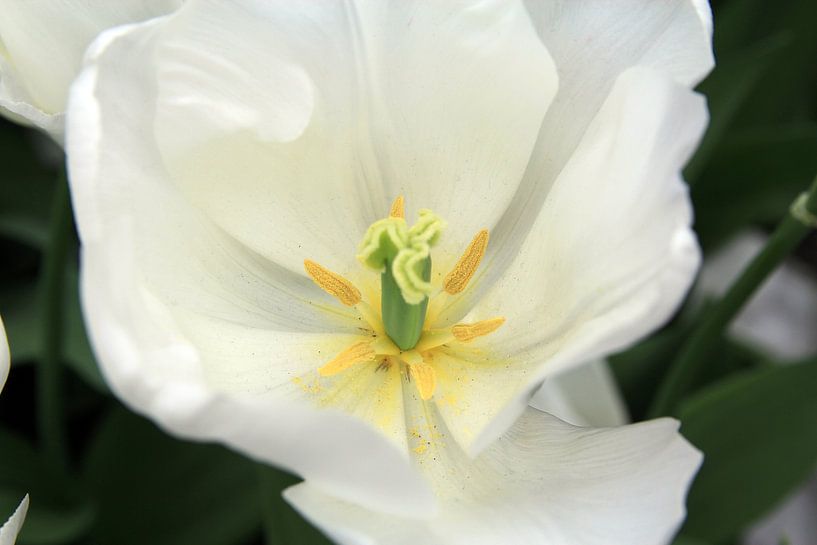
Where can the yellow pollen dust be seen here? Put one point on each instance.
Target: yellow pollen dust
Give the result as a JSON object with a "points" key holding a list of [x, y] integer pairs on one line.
{"points": [[333, 284], [468, 332], [398, 209], [464, 270], [425, 379], [361, 352]]}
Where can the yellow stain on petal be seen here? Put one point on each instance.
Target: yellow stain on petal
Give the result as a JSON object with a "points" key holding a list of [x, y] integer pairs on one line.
{"points": [[333, 284], [450, 400], [468, 332], [425, 379], [312, 387], [457, 280], [398, 208], [361, 352]]}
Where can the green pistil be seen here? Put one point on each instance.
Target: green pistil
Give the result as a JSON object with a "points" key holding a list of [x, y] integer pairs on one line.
{"points": [[403, 256]]}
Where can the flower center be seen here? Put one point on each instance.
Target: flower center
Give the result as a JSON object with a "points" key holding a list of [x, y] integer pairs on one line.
{"points": [[402, 256]]}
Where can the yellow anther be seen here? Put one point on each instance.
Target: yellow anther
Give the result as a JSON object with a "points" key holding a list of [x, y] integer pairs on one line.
{"points": [[464, 270], [397, 209], [361, 352], [333, 284], [468, 332], [425, 379]]}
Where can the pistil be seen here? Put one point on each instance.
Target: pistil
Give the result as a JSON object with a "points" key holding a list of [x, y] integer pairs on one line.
{"points": [[402, 255]]}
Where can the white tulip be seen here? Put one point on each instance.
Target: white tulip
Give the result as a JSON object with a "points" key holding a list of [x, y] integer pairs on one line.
{"points": [[218, 153], [10, 530], [580, 485], [41, 47], [585, 396], [5, 356], [544, 482]]}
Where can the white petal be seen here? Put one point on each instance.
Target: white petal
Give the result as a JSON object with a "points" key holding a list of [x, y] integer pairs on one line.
{"points": [[42, 44], [593, 43], [9, 530], [611, 254], [294, 125], [153, 281], [596, 41], [781, 317], [544, 482], [585, 396], [155, 370], [5, 357]]}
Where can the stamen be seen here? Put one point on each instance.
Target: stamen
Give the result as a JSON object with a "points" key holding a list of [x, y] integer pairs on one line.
{"points": [[433, 339], [397, 209], [464, 270], [425, 379], [468, 332], [333, 284], [361, 352]]}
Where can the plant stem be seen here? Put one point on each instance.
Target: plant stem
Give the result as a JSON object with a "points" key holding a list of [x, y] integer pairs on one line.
{"points": [[694, 355], [49, 378]]}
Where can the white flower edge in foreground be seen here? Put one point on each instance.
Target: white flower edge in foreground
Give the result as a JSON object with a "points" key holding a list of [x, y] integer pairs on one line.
{"points": [[585, 396], [194, 289], [12, 527], [41, 50], [639, 254], [543, 482], [5, 356]]}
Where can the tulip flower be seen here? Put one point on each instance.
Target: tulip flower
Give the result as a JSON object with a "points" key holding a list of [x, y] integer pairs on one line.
{"points": [[408, 213], [41, 48], [5, 356], [11, 528]]}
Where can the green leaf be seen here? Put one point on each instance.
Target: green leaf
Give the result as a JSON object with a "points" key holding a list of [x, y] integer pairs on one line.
{"points": [[26, 187], [757, 432], [737, 24], [727, 89], [282, 524], [640, 369], [58, 513], [21, 315], [154, 489], [754, 178], [786, 93], [685, 540]]}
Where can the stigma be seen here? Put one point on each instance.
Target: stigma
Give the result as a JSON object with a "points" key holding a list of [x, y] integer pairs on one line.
{"points": [[402, 256]]}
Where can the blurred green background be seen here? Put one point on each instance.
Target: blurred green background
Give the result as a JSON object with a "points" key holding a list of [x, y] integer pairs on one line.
{"points": [[122, 481]]}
